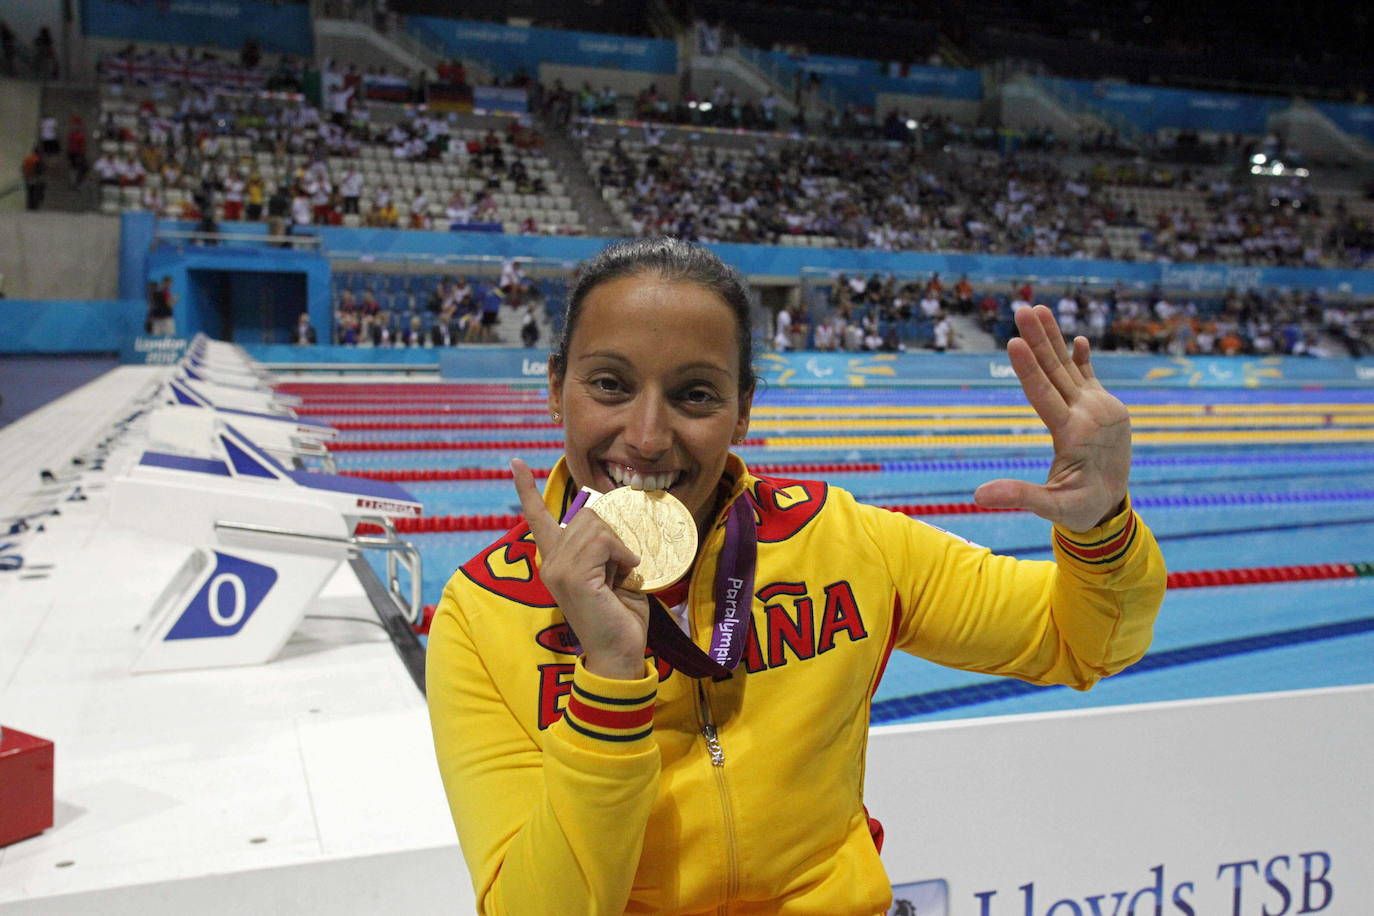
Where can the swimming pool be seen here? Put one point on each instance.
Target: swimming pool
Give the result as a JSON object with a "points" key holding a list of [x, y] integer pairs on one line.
{"points": [[1227, 480]]}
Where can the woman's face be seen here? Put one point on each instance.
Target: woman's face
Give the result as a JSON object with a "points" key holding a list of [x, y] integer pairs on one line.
{"points": [[650, 397]]}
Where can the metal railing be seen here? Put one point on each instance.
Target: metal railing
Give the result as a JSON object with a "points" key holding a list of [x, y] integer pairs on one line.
{"points": [[1071, 99], [181, 238]]}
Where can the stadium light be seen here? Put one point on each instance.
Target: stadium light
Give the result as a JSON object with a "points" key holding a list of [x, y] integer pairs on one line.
{"points": [[910, 123], [1259, 159]]}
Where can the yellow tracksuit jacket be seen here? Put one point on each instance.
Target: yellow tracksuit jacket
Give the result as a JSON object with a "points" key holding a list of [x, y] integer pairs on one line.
{"points": [[578, 794]]}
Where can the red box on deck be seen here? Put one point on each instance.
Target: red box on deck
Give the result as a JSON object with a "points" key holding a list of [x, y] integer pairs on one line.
{"points": [[25, 786]]}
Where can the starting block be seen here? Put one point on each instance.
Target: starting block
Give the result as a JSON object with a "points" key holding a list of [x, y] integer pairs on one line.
{"points": [[265, 539], [282, 434]]}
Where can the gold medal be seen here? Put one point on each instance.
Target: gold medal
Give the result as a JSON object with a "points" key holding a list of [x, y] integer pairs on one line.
{"points": [[657, 527]]}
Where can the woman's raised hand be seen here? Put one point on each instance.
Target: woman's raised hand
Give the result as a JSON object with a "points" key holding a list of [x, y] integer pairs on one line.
{"points": [[1091, 430], [581, 565]]}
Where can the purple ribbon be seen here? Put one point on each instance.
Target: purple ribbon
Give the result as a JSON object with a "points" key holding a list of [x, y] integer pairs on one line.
{"points": [[734, 593]]}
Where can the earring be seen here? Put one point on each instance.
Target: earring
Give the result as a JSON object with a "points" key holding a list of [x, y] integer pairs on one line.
{"points": [[557, 417]]}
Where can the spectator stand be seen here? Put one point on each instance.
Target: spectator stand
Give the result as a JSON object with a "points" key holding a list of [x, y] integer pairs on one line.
{"points": [[449, 161], [417, 293]]}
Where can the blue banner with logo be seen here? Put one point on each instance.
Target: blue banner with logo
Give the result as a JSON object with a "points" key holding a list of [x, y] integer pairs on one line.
{"points": [[859, 81], [1357, 120], [506, 49], [69, 326], [908, 370], [1151, 108], [902, 370], [283, 28], [381, 245]]}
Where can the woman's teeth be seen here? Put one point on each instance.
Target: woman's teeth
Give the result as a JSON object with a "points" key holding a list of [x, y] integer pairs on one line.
{"points": [[635, 480]]}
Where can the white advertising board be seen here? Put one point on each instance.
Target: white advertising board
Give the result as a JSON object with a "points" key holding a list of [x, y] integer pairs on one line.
{"points": [[1260, 805]]}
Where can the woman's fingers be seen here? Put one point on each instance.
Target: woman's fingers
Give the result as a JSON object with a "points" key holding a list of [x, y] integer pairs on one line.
{"points": [[1041, 332], [1082, 358], [542, 524], [1043, 395], [1016, 494]]}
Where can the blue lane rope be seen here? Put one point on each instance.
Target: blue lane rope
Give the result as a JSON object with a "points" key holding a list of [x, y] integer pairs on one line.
{"points": [[1136, 485], [1168, 461], [1213, 533], [1252, 499], [920, 704]]}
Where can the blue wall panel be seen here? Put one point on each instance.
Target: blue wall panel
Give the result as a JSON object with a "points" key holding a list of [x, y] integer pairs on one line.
{"points": [[227, 24], [63, 326], [859, 81], [774, 261], [506, 49], [901, 370]]}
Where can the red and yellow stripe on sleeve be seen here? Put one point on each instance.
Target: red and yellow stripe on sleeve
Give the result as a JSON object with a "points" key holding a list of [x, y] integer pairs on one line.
{"points": [[609, 718], [1105, 550]]}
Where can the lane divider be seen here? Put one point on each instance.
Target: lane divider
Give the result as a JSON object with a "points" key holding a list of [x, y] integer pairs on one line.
{"points": [[473, 446], [1004, 464], [877, 419], [905, 707], [1146, 438], [1263, 575], [1197, 438], [1198, 578], [402, 475], [485, 410], [408, 475], [435, 524], [474, 424], [1284, 422]]}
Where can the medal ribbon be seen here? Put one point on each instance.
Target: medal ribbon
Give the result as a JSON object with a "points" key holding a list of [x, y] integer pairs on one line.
{"points": [[734, 594]]}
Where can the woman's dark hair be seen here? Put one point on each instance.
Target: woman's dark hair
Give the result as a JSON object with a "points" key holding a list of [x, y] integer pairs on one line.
{"points": [[676, 261]]}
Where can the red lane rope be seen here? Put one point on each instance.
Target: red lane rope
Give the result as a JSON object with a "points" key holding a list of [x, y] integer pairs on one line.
{"points": [[355, 426], [380, 400], [1202, 578], [419, 411], [353, 388], [1263, 575], [439, 524], [478, 445], [411, 475]]}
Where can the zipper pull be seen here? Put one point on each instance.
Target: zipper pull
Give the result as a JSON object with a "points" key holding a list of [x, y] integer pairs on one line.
{"points": [[713, 745]]}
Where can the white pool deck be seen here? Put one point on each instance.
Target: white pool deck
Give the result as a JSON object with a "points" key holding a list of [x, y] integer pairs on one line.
{"points": [[304, 785]]}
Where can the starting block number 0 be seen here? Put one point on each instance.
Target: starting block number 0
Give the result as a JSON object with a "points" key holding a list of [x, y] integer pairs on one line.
{"points": [[240, 605], [229, 596]]}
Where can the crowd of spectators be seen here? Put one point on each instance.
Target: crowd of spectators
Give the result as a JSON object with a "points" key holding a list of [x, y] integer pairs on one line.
{"points": [[437, 311], [892, 197], [877, 313], [197, 147]]}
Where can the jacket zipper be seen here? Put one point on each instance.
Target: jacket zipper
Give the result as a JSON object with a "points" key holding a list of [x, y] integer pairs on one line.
{"points": [[713, 747]]}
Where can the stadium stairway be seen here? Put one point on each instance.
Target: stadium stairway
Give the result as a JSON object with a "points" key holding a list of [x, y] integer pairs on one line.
{"points": [[598, 218], [61, 101], [969, 337]]}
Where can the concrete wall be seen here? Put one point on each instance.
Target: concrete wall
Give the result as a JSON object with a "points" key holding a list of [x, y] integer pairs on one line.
{"points": [[59, 255], [19, 103], [26, 17], [625, 82], [962, 111]]}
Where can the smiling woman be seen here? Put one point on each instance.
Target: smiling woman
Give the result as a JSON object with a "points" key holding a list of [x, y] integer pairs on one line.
{"points": [[702, 746]]}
